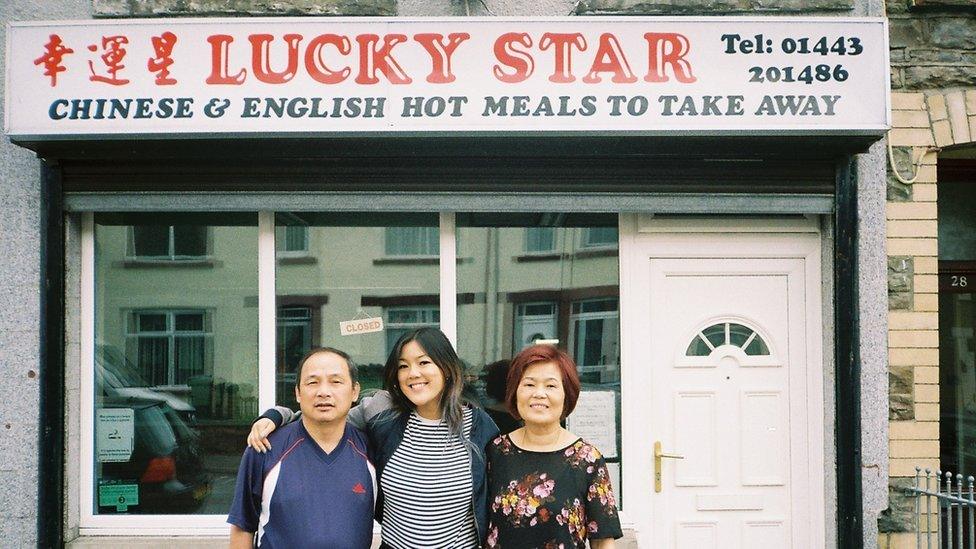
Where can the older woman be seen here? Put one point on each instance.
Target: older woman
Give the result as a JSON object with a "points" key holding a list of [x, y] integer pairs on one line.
{"points": [[547, 486]]}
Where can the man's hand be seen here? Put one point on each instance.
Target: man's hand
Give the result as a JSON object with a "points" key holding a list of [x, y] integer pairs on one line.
{"points": [[258, 437]]}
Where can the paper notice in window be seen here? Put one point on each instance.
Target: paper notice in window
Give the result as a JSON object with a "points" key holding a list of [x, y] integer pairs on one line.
{"points": [[114, 434], [595, 420]]}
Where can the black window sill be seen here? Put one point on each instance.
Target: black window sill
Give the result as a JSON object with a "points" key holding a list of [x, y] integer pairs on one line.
{"points": [[610, 251], [531, 258], [168, 264], [298, 260]]}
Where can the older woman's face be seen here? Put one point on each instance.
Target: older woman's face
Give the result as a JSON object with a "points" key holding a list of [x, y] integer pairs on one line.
{"points": [[540, 394]]}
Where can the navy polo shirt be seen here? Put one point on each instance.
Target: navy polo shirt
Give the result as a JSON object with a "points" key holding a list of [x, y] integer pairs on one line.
{"points": [[296, 495]]}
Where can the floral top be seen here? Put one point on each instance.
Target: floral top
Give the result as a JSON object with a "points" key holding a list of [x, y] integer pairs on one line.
{"points": [[549, 500]]}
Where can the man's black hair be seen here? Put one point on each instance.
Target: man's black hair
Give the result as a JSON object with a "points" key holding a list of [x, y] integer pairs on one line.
{"points": [[353, 368]]}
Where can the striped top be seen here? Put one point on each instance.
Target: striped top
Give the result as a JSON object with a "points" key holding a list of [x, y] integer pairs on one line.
{"points": [[427, 488]]}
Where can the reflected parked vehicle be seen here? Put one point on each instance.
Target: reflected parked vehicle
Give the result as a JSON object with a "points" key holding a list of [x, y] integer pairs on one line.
{"points": [[166, 461]]}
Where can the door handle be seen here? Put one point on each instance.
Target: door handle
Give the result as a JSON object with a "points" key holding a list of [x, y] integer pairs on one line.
{"points": [[658, 456]]}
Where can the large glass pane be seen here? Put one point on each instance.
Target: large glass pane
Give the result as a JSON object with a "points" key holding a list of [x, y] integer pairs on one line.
{"points": [[510, 296], [359, 265], [176, 365]]}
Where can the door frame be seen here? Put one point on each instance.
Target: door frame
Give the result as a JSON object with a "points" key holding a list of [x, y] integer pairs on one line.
{"points": [[641, 236]]}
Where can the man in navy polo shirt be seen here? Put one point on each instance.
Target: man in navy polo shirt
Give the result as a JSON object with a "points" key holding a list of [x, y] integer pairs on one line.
{"points": [[316, 487]]}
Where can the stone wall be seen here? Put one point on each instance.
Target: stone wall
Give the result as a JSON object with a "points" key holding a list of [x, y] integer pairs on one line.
{"points": [[931, 49]]}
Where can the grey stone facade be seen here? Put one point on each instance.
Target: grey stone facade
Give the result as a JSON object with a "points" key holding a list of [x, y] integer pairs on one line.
{"points": [[20, 203], [931, 49]]}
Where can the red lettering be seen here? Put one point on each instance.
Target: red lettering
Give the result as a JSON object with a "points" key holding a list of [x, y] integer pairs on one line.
{"points": [[372, 58], [563, 45], [219, 46], [317, 68], [261, 59], [163, 49], [440, 54], [54, 52], [610, 58], [520, 61], [668, 49]]}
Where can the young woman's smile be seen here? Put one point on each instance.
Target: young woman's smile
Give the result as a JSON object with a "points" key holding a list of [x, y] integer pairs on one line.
{"points": [[421, 380]]}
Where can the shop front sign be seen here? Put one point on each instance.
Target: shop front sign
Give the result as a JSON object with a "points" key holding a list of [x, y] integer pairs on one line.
{"points": [[326, 76]]}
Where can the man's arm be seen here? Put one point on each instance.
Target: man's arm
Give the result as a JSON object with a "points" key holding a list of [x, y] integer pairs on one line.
{"points": [[240, 539]]}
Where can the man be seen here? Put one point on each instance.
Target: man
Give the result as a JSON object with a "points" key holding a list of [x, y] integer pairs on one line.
{"points": [[315, 487]]}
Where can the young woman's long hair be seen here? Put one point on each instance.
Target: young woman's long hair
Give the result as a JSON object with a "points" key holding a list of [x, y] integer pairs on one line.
{"points": [[441, 352]]}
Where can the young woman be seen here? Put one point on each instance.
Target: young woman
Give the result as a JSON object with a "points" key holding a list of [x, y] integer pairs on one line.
{"points": [[428, 447], [547, 486]]}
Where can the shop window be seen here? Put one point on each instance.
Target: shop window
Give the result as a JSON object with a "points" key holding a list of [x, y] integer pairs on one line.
{"points": [[351, 266], [175, 366], [168, 243], [595, 334], [508, 300], [294, 339], [169, 347], [540, 240], [291, 240], [412, 241], [534, 321], [400, 320], [599, 237], [727, 333]]}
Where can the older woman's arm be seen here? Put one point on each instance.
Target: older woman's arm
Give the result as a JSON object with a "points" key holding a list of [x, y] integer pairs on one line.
{"points": [[603, 543]]}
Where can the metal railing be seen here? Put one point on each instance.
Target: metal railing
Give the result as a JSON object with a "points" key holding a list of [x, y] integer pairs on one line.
{"points": [[948, 509]]}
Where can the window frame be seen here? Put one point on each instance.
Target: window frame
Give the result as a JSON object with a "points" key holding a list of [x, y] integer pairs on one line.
{"points": [[586, 244], [387, 252], [586, 316]]}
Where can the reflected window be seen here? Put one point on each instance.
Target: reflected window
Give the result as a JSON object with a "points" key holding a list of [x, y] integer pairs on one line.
{"points": [[594, 332], [599, 237], [400, 320], [406, 241], [291, 240], [168, 243], [540, 240], [294, 339], [169, 347]]}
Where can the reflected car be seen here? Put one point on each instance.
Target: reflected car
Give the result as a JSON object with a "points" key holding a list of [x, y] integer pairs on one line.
{"points": [[117, 376], [166, 462]]}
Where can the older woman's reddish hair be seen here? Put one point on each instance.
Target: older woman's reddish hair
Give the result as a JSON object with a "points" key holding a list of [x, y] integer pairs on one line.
{"points": [[536, 354]]}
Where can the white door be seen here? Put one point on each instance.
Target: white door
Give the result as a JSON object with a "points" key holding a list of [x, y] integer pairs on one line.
{"points": [[726, 335]]}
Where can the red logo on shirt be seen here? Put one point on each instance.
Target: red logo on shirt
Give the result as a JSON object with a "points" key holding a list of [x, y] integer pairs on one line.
{"points": [[358, 488]]}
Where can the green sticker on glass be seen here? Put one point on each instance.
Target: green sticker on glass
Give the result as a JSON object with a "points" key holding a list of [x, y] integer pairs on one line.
{"points": [[118, 495]]}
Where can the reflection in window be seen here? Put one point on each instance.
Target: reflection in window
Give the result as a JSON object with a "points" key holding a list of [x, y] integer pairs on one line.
{"points": [[359, 264], [294, 339], [594, 332], [168, 243], [599, 237], [170, 347], [175, 360], [508, 299], [540, 239], [291, 240], [400, 320], [534, 321], [727, 333], [423, 241]]}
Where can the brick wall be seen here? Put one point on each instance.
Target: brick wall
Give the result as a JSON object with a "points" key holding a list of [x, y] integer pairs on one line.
{"points": [[921, 124]]}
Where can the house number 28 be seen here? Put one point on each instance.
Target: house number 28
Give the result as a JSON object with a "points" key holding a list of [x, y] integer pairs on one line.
{"points": [[959, 281]]}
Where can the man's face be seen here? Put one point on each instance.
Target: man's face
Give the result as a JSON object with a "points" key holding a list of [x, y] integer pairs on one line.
{"points": [[325, 391]]}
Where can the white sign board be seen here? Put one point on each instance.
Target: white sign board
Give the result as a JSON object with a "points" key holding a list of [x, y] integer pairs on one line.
{"points": [[114, 434], [595, 420], [329, 76]]}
